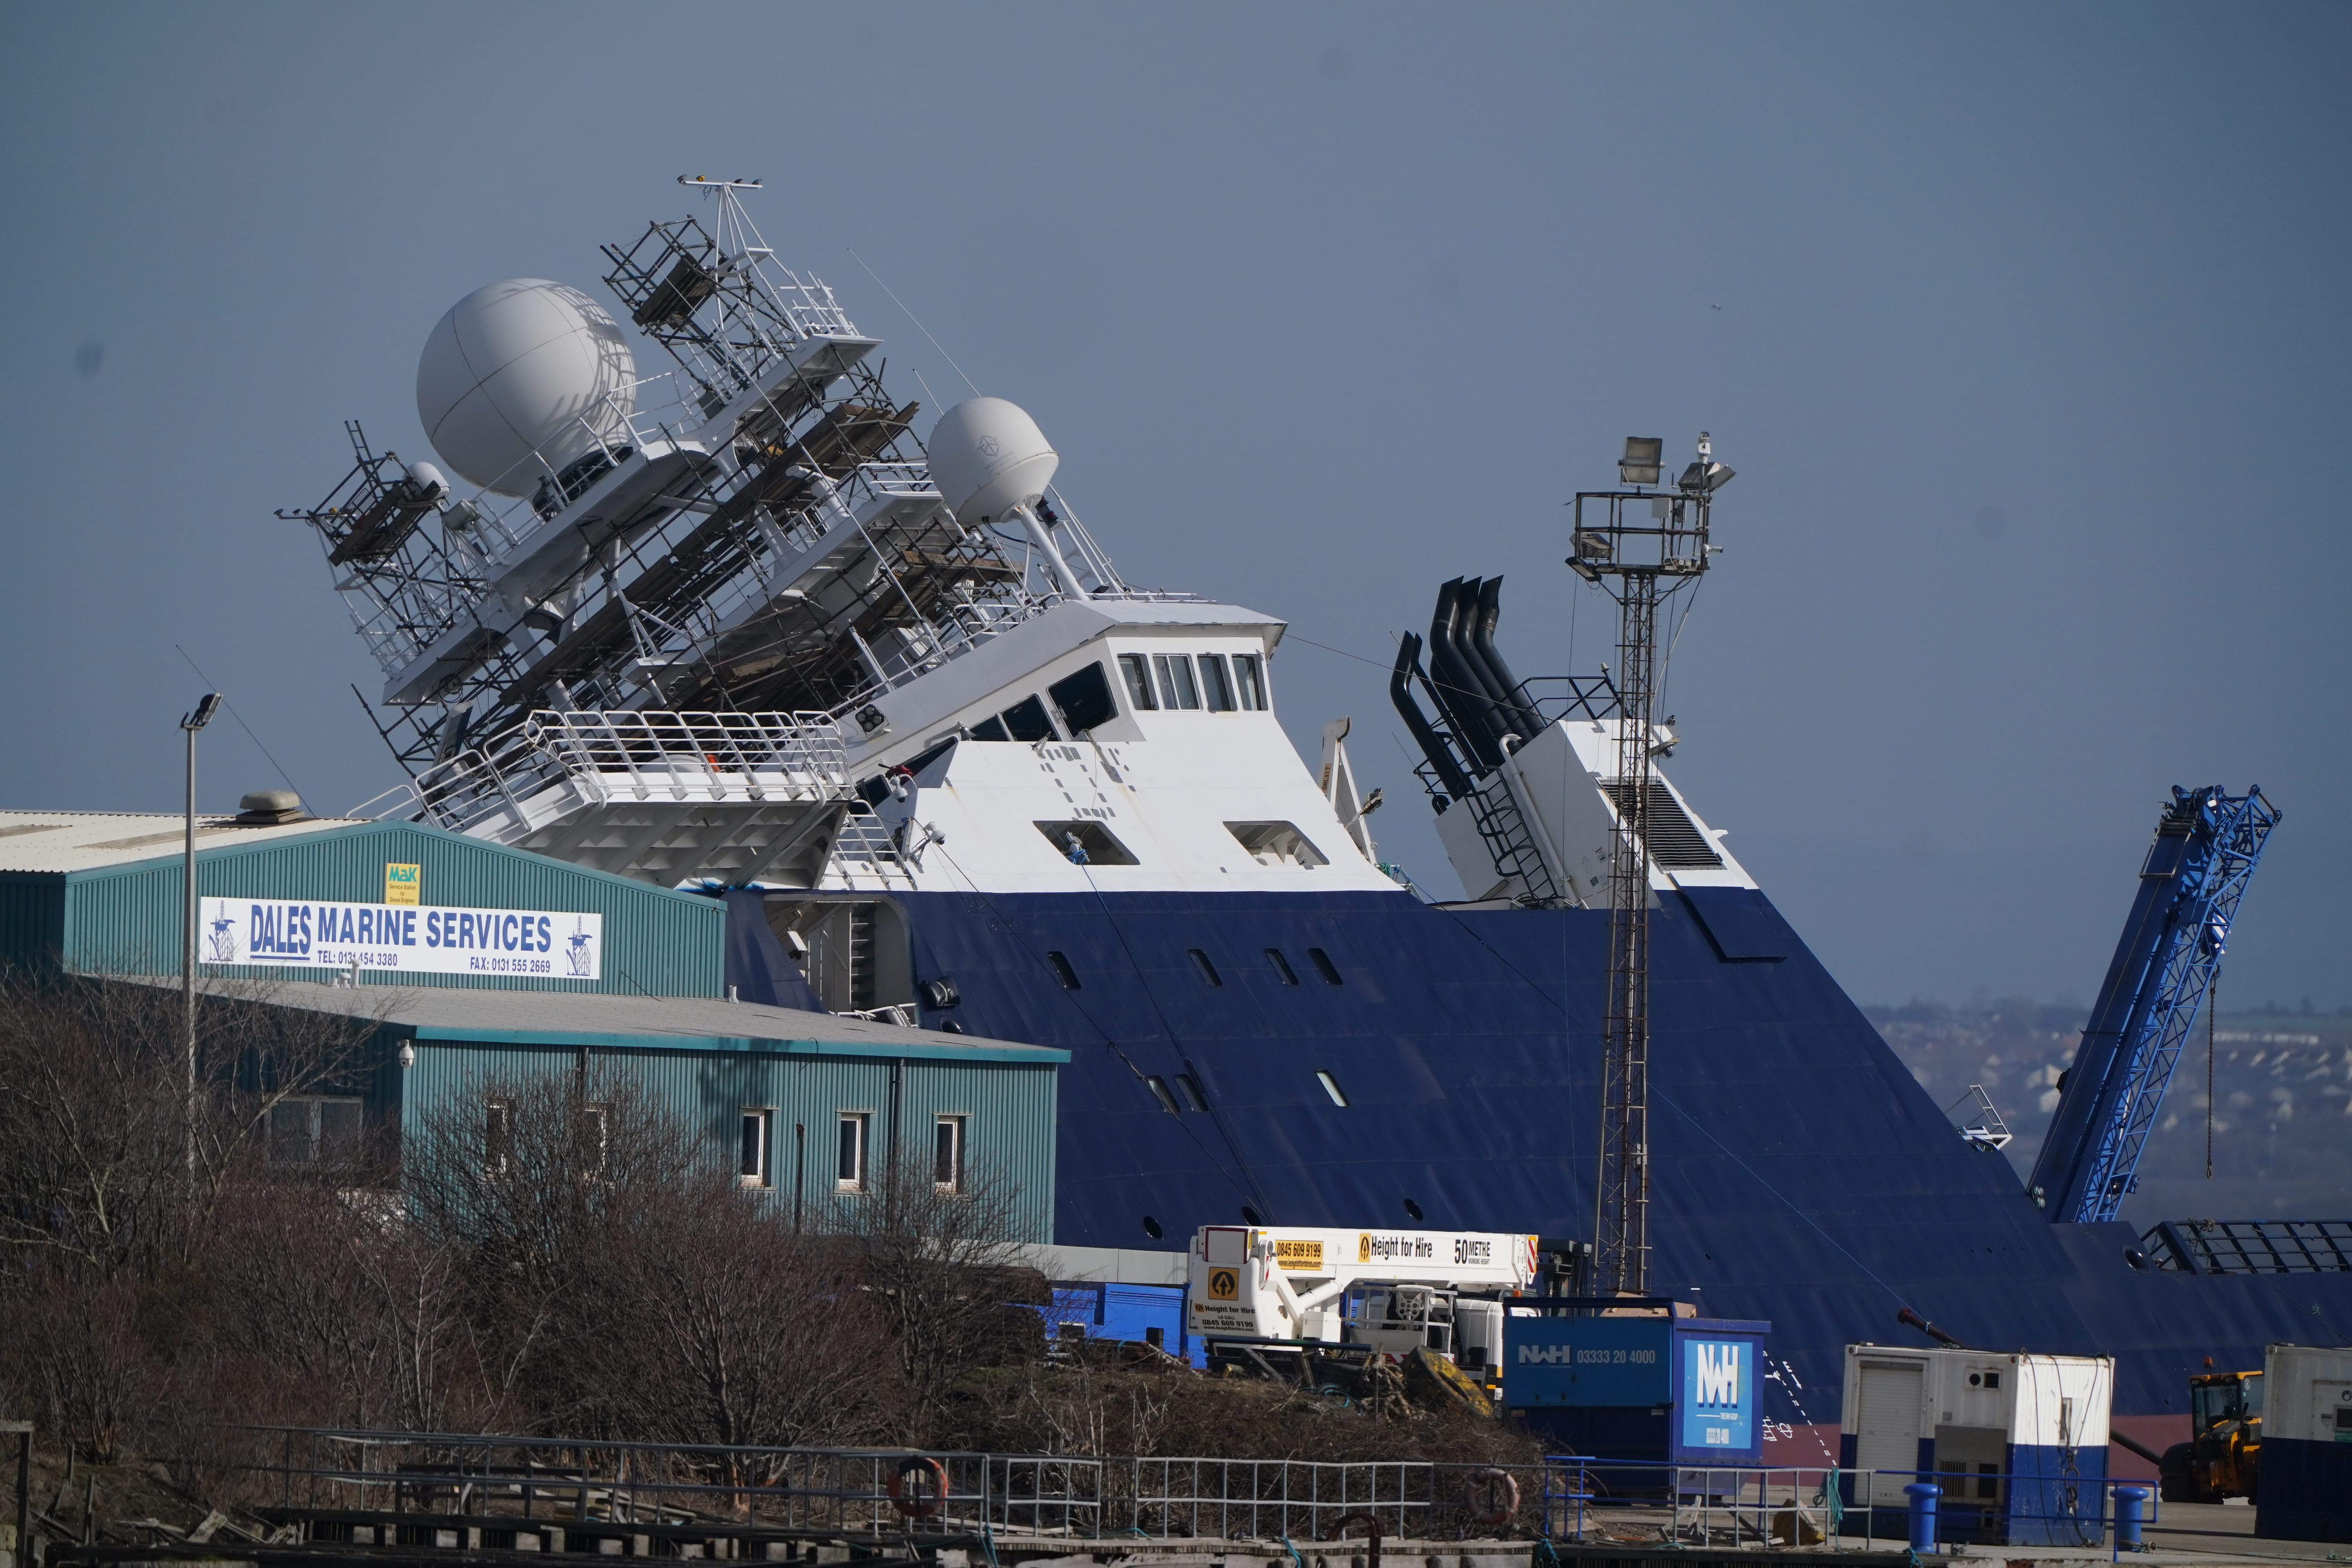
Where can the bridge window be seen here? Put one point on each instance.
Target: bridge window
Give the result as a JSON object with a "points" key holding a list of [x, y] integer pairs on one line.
{"points": [[1084, 698], [1249, 676], [1216, 682], [1176, 688], [1026, 720], [1135, 673]]}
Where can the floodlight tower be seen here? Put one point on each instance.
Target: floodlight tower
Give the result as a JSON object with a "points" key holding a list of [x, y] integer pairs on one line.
{"points": [[1642, 546]]}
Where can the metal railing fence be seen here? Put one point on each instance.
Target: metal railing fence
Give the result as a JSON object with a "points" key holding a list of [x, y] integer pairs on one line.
{"points": [[513, 1480]]}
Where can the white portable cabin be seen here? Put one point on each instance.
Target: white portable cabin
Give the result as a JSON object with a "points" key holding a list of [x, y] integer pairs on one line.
{"points": [[2018, 1442], [1394, 1290], [2306, 1463]]}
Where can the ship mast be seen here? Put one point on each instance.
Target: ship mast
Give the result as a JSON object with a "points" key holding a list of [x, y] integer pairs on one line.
{"points": [[1642, 547]]}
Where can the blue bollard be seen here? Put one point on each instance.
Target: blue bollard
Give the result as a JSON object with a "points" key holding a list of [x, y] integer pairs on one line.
{"points": [[1923, 1514], [2129, 1503]]}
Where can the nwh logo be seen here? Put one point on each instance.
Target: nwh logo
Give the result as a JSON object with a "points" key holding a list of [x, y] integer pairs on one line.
{"points": [[1717, 1382], [1544, 1355]]}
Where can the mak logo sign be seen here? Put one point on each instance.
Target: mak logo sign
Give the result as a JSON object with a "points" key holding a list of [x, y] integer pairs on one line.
{"points": [[1718, 1403]]}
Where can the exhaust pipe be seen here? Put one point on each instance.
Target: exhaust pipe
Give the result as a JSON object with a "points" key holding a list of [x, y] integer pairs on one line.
{"points": [[1913, 1320], [1432, 745]]}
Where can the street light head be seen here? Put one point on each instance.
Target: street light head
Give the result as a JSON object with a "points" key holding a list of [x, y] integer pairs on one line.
{"points": [[1640, 465], [204, 714]]}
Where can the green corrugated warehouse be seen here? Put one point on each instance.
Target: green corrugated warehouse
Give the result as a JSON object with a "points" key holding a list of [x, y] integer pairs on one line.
{"points": [[480, 968]]}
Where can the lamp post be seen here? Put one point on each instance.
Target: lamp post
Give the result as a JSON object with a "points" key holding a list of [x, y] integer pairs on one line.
{"points": [[190, 725]]}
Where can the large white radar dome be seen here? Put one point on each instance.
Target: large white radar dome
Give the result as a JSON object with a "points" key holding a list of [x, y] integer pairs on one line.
{"points": [[520, 368], [988, 457]]}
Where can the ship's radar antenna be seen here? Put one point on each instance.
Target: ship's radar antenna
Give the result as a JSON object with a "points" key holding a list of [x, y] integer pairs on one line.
{"points": [[1642, 546]]}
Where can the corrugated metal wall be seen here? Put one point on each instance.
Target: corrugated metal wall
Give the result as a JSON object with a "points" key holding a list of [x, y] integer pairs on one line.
{"points": [[126, 920], [32, 913], [1011, 1109]]}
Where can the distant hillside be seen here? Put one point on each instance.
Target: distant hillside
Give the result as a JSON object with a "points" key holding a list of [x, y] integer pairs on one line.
{"points": [[2283, 1089]]}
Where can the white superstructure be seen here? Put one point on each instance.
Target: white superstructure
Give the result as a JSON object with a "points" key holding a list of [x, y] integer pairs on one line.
{"points": [[734, 621]]}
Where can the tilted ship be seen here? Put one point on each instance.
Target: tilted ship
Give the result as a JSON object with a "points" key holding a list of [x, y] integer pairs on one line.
{"points": [[733, 623]]}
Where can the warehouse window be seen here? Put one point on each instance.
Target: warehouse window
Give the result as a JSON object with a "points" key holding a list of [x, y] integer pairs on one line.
{"points": [[755, 1167], [497, 1136], [314, 1130], [1216, 683], [1063, 972], [1324, 966], [1163, 1094], [1331, 1086], [849, 1170], [948, 1153], [1249, 675], [1136, 675], [1282, 966], [592, 1128]]}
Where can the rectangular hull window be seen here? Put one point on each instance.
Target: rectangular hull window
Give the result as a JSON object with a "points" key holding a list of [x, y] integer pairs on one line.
{"points": [[849, 1165], [1163, 1094], [1176, 688], [1208, 970], [1282, 966], [1324, 966], [1063, 971], [1135, 673], [1277, 844], [947, 1153], [1216, 683], [1331, 1086], [1086, 843]]}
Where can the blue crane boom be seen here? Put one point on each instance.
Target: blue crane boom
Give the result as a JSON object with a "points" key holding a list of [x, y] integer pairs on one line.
{"points": [[2207, 845]]}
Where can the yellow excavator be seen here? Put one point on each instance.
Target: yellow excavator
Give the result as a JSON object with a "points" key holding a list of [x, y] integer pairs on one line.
{"points": [[2222, 1457]]}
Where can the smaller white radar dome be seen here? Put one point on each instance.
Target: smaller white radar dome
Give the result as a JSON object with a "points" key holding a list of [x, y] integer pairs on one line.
{"points": [[988, 457], [520, 374]]}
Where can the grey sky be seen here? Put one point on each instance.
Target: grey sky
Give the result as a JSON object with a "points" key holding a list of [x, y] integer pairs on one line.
{"points": [[2024, 326]]}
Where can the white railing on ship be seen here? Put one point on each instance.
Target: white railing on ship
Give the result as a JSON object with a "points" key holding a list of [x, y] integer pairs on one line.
{"points": [[640, 756]]}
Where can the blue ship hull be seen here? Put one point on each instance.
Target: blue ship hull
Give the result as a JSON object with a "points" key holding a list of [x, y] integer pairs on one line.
{"points": [[1800, 1174]]}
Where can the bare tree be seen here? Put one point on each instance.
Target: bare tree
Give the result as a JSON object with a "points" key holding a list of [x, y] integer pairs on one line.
{"points": [[941, 1261], [712, 1322]]}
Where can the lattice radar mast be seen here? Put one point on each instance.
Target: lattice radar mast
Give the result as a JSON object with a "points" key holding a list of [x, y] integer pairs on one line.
{"points": [[1642, 546], [755, 530]]}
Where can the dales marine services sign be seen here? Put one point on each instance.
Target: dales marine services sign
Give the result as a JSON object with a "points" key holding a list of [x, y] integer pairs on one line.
{"points": [[295, 935]]}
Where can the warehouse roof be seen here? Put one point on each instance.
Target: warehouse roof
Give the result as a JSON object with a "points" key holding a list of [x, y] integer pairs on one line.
{"points": [[660, 1022], [65, 841]]}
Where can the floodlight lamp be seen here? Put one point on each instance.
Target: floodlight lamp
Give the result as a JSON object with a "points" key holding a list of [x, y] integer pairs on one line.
{"points": [[1709, 477], [204, 714], [1641, 463]]}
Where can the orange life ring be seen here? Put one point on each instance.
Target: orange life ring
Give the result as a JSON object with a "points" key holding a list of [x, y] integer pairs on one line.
{"points": [[908, 1498], [1491, 1496]]}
